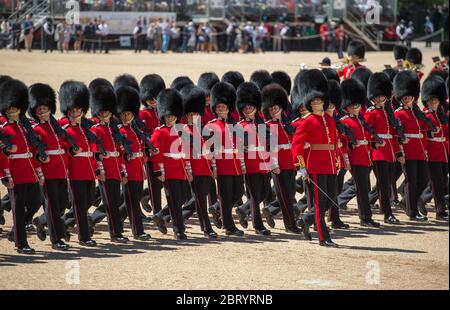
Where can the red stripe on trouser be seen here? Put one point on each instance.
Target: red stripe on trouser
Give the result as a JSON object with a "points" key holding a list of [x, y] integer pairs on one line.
{"points": [[316, 207]]}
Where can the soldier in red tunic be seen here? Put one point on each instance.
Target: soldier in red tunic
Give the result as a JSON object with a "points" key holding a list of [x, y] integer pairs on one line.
{"points": [[56, 173], [151, 85], [414, 61], [356, 52], [21, 173], [359, 153], [318, 129], [433, 96]]}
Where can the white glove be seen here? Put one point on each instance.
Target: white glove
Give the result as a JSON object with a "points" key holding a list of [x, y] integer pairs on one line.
{"points": [[302, 173]]}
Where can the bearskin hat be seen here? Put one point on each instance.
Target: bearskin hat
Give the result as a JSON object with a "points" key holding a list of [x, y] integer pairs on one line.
{"points": [[235, 78], [379, 85], [443, 48], [150, 86], [126, 80], [406, 83], [391, 73], [295, 101], [272, 95], [73, 94], [99, 82], [41, 94], [414, 55], [206, 81], [248, 93], [361, 74], [170, 103], [128, 100], [283, 79], [353, 92], [434, 87], [225, 93], [102, 98], [194, 99], [442, 73], [334, 91], [13, 93], [400, 52], [331, 74], [179, 82], [261, 78], [356, 48], [4, 78], [312, 84]]}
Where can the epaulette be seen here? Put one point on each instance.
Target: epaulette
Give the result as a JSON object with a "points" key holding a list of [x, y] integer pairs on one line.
{"points": [[3, 124], [295, 119], [65, 126], [398, 109], [370, 109], [160, 127], [306, 115], [212, 121], [344, 117]]}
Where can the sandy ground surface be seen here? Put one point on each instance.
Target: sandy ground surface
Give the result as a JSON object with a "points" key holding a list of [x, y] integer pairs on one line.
{"points": [[408, 256]]}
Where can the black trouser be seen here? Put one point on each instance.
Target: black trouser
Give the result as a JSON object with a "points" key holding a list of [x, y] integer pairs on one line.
{"points": [[416, 179], [384, 172], [347, 192], [16, 40], [256, 185], [427, 194], [333, 208], [56, 201], [212, 196], [284, 183], [439, 181], [154, 188], [201, 185], [110, 192], [133, 193], [82, 197], [362, 182], [319, 203], [230, 190], [48, 43], [26, 200], [176, 191], [340, 184]]}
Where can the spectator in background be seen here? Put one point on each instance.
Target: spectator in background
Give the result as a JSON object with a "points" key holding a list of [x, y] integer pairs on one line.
{"points": [[340, 36], [428, 29], [157, 36], [285, 34], [409, 33], [332, 37], [67, 34], [89, 36], [103, 31], [49, 35], [276, 41], [207, 30], [77, 36], [4, 33], [213, 46], [165, 29], [151, 37], [401, 31], [201, 38], [389, 33], [28, 29], [138, 36], [59, 35], [174, 37], [261, 34], [16, 29], [231, 37], [323, 30]]}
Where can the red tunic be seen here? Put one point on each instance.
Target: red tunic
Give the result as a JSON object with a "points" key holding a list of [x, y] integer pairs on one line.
{"points": [[283, 146], [58, 166], [226, 156], [201, 164], [416, 148], [81, 167], [208, 115], [170, 156], [378, 120], [22, 169], [437, 146], [257, 159], [316, 130], [114, 163], [359, 155], [347, 71], [136, 166]]}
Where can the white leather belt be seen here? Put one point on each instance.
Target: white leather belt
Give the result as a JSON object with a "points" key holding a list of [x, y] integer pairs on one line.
{"points": [[385, 136], [21, 155], [175, 156], [55, 152], [436, 139], [229, 151], [414, 135], [284, 146], [84, 154], [113, 154], [138, 154], [362, 142], [256, 148]]}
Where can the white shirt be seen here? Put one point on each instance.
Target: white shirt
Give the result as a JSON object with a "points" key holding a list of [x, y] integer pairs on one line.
{"points": [[104, 29]]}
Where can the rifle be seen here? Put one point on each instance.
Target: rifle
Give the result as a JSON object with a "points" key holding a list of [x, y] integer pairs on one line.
{"points": [[370, 129], [394, 121], [343, 129], [120, 138], [86, 125], [142, 132], [5, 139], [60, 132], [421, 116], [33, 138]]}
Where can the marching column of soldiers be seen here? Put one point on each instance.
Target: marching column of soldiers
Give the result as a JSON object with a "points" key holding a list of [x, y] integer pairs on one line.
{"points": [[206, 146]]}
